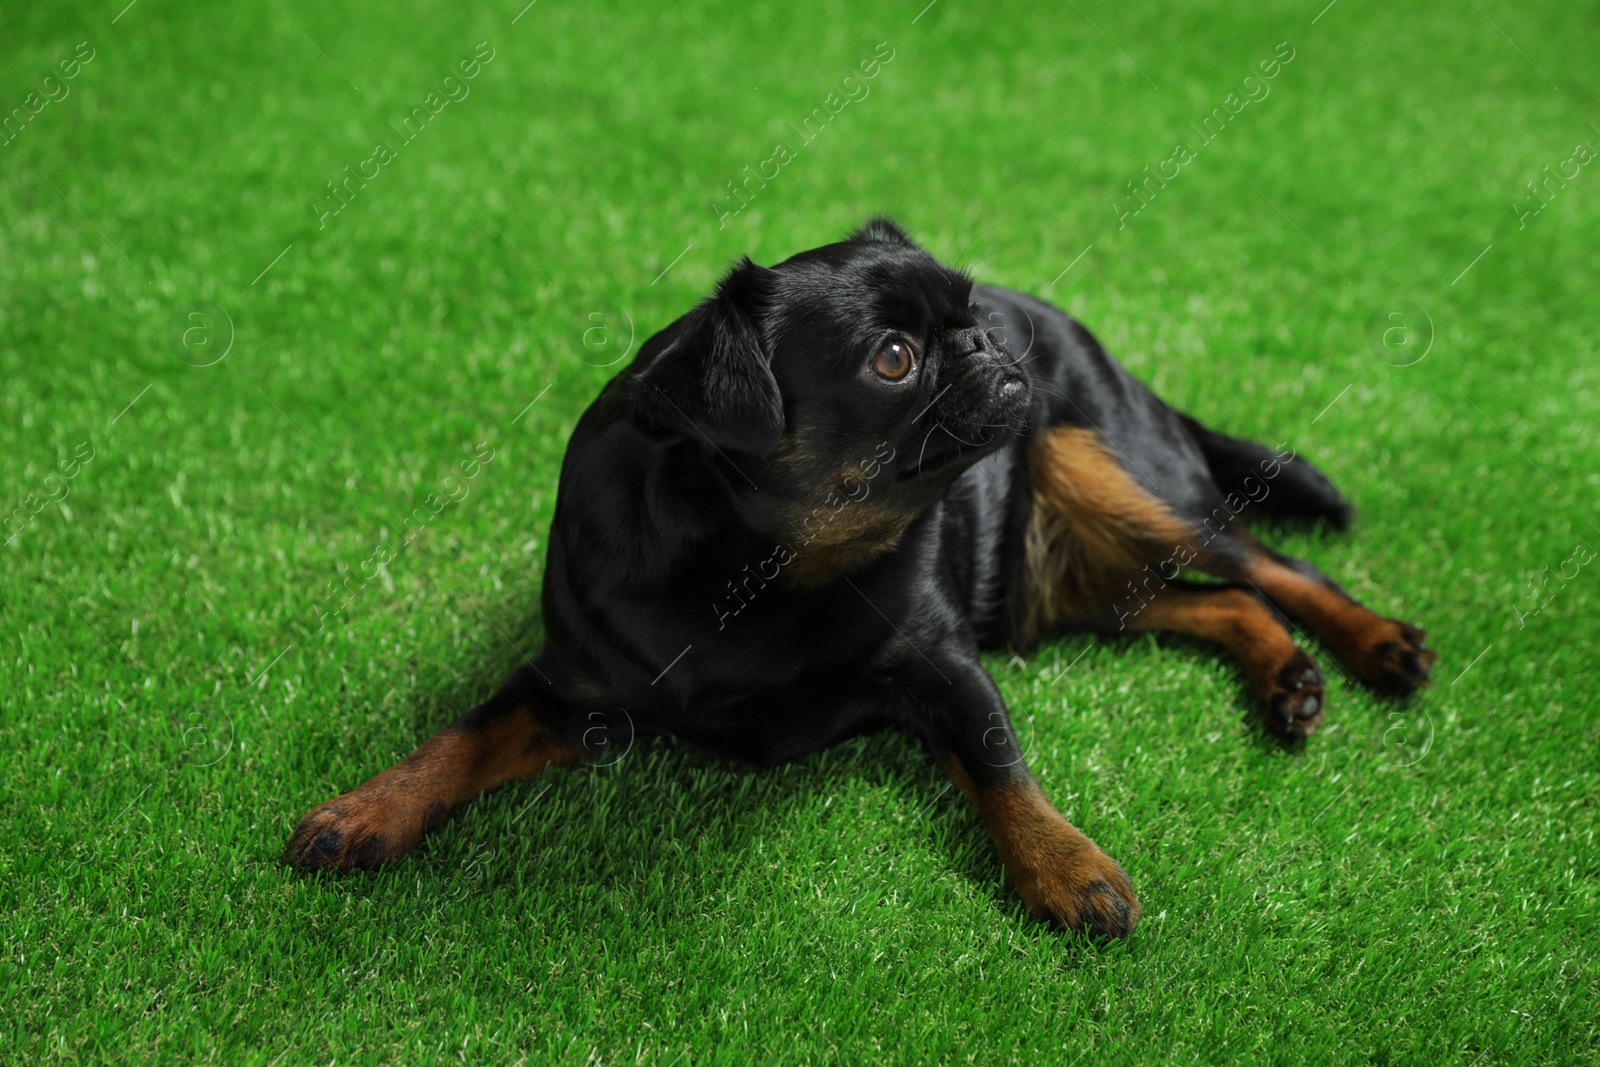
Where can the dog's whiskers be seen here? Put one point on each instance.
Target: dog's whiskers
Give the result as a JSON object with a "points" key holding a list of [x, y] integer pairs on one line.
{"points": [[932, 402], [924, 450], [1022, 361], [953, 437]]}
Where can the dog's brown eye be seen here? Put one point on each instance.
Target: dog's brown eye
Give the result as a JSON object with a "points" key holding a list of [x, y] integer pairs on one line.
{"points": [[894, 360]]}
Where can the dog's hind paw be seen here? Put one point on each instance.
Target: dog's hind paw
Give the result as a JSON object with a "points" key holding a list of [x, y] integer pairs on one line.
{"points": [[1397, 660], [1294, 700]]}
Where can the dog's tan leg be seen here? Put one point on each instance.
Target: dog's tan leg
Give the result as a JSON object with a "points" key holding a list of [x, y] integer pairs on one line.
{"points": [[1387, 654], [1284, 679], [1061, 875], [514, 735]]}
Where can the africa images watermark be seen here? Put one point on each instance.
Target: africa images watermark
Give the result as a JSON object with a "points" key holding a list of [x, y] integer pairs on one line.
{"points": [[353, 582], [55, 89], [1140, 194], [855, 89], [343, 193], [1540, 593], [855, 490], [53, 490], [1255, 489], [1543, 193]]}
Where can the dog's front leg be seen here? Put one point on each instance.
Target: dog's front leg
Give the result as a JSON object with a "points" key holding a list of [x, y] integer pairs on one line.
{"points": [[1061, 875], [517, 733]]}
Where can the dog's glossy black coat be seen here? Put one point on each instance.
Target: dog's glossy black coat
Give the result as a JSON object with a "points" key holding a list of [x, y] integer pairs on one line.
{"points": [[763, 546], [658, 512]]}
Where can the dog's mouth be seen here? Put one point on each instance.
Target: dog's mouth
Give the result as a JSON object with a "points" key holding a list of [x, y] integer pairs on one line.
{"points": [[951, 441]]}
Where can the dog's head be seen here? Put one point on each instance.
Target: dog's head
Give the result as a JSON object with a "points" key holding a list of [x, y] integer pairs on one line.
{"points": [[859, 372]]}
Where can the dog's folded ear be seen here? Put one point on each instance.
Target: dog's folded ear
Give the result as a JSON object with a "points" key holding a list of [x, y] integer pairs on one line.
{"points": [[714, 380], [883, 230]]}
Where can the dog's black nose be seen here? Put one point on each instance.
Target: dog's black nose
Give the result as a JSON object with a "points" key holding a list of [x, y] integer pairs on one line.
{"points": [[970, 342]]}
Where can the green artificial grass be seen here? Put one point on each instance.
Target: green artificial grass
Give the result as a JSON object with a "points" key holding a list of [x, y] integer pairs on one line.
{"points": [[1417, 884]]}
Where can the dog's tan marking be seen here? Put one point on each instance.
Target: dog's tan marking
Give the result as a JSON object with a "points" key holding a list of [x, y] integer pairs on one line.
{"points": [[1386, 653], [1060, 874], [837, 544], [838, 523], [1231, 617], [1286, 683], [1093, 528], [385, 817]]}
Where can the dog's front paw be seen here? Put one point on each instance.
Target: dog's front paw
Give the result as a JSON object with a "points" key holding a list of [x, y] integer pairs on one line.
{"points": [[360, 830], [1395, 659], [1294, 699], [1084, 890]]}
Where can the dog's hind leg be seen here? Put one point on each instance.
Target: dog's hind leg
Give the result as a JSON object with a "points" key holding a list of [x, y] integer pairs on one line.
{"points": [[1285, 681], [1098, 542], [1389, 655], [517, 733], [1104, 554]]}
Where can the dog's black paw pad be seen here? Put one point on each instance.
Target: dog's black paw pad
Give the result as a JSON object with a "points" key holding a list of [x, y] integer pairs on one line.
{"points": [[326, 848], [369, 853], [355, 831], [1400, 662], [1295, 700], [1097, 901], [1106, 914]]}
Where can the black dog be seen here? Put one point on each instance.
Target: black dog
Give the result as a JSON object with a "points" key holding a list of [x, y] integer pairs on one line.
{"points": [[808, 504]]}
